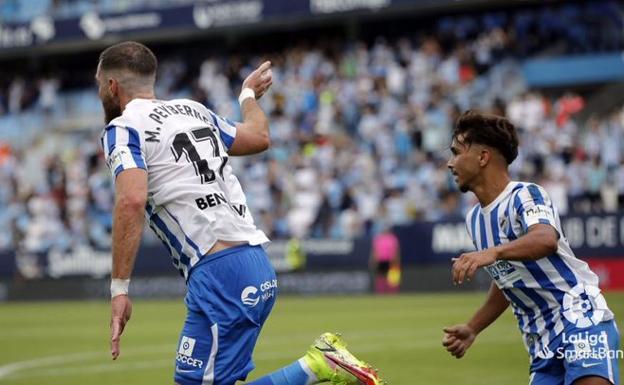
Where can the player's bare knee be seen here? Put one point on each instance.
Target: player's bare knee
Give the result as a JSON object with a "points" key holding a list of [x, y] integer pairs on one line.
{"points": [[592, 380]]}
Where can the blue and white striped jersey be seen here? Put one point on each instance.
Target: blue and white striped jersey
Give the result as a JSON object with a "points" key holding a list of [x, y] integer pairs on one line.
{"points": [[194, 199], [550, 294]]}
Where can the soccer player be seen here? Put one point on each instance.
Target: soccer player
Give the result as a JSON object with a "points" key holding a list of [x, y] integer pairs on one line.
{"points": [[567, 328], [169, 161]]}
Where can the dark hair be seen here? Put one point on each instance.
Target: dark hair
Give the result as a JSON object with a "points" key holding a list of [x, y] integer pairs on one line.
{"points": [[131, 56], [490, 130]]}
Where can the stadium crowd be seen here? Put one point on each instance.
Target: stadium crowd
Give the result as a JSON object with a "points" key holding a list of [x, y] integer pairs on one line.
{"points": [[360, 132]]}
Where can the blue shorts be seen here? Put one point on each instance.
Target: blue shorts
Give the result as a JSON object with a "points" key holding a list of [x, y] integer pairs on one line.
{"points": [[230, 295], [580, 352]]}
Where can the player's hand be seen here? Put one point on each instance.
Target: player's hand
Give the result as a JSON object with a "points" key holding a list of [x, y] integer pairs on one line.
{"points": [[121, 310], [466, 265], [260, 79], [457, 339]]}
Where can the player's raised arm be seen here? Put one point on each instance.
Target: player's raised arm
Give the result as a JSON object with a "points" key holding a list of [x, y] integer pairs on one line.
{"points": [[252, 135], [457, 339], [128, 217]]}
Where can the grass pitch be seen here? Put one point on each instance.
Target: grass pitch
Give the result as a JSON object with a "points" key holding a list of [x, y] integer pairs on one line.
{"points": [[66, 343]]}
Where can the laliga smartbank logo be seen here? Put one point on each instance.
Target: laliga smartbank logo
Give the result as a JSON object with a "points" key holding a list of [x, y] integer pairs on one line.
{"points": [[250, 296], [587, 347], [584, 306]]}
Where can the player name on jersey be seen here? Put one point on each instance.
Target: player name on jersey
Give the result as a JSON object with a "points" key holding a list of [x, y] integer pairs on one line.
{"points": [[212, 200]]}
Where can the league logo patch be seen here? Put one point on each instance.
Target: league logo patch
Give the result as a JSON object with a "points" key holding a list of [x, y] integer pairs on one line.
{"points": [[187, 344], [584, 306]]}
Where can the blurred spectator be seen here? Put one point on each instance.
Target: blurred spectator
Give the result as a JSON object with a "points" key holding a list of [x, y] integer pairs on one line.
{"points": [[359, 131]]}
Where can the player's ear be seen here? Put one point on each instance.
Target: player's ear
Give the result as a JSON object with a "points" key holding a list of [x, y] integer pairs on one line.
{"points": [[484, 157], [113, 86]]}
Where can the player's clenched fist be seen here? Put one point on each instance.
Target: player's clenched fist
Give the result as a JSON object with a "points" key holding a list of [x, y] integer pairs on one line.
{"points": [[457, 339], [121, 310], [260, 79]]}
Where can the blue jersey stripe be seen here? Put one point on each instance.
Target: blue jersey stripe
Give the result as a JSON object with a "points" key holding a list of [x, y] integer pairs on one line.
{"points": [[518, 205], [543, 280], [186, 237], [473, 225], [111, 138], [164, 241], [527, 310], [544, 308], [173, 240], [536, 194], [494, 226], [484, 243], [134, 144], [227, 139], [563, 270]]}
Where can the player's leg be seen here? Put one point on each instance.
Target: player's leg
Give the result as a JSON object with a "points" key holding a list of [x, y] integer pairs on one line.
{"points": [[194, 355], [592, 380], [327, 360], [545, 378], [550, 370], [229, 296], [547, 371], [593, 355]]}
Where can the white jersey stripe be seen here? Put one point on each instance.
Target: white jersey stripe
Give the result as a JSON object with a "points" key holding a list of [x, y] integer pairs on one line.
{"points": [[209, 374]]}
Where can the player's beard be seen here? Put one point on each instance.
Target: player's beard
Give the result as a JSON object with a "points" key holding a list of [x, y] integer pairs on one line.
{"points": [[112, 109]]}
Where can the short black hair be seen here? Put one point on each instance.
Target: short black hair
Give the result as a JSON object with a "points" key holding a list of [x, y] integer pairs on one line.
{"points": [[490, 130], [129, 55]]}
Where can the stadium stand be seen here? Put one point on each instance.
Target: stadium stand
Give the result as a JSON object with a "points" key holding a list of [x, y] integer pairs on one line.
{"points": [[360, 126]]}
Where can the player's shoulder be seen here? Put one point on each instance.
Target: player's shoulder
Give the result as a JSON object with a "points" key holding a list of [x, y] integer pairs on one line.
{"points": [[132, 114], [190, 102], [529, 188], [473, 210]]}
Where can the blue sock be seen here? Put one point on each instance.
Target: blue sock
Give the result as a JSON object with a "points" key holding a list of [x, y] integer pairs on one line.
{"points": [[293, 374]]}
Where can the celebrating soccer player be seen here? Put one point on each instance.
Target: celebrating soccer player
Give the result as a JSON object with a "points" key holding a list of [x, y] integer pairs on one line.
{"points": [[169, 160], [567, 328]]}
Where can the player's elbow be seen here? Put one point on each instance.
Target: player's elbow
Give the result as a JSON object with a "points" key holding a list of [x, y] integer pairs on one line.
{"points": [[265, 142], [264, 138], [550, 242], [131, 202]]}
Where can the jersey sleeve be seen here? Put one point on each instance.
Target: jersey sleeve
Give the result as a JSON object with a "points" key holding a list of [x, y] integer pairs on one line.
{"points": [[227, 129], [532, 205], [123, 149]]}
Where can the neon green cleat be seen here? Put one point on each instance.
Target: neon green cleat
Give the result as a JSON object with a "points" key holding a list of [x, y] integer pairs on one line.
{"points": [[330, 361]]}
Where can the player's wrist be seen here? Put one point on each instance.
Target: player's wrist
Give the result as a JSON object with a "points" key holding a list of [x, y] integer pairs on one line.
{"points": [[498, 253], [119, 287], [246, 93], [474, 329]]}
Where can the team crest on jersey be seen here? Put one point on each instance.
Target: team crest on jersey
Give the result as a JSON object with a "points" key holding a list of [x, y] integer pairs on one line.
{"points": [[502, 223]]}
